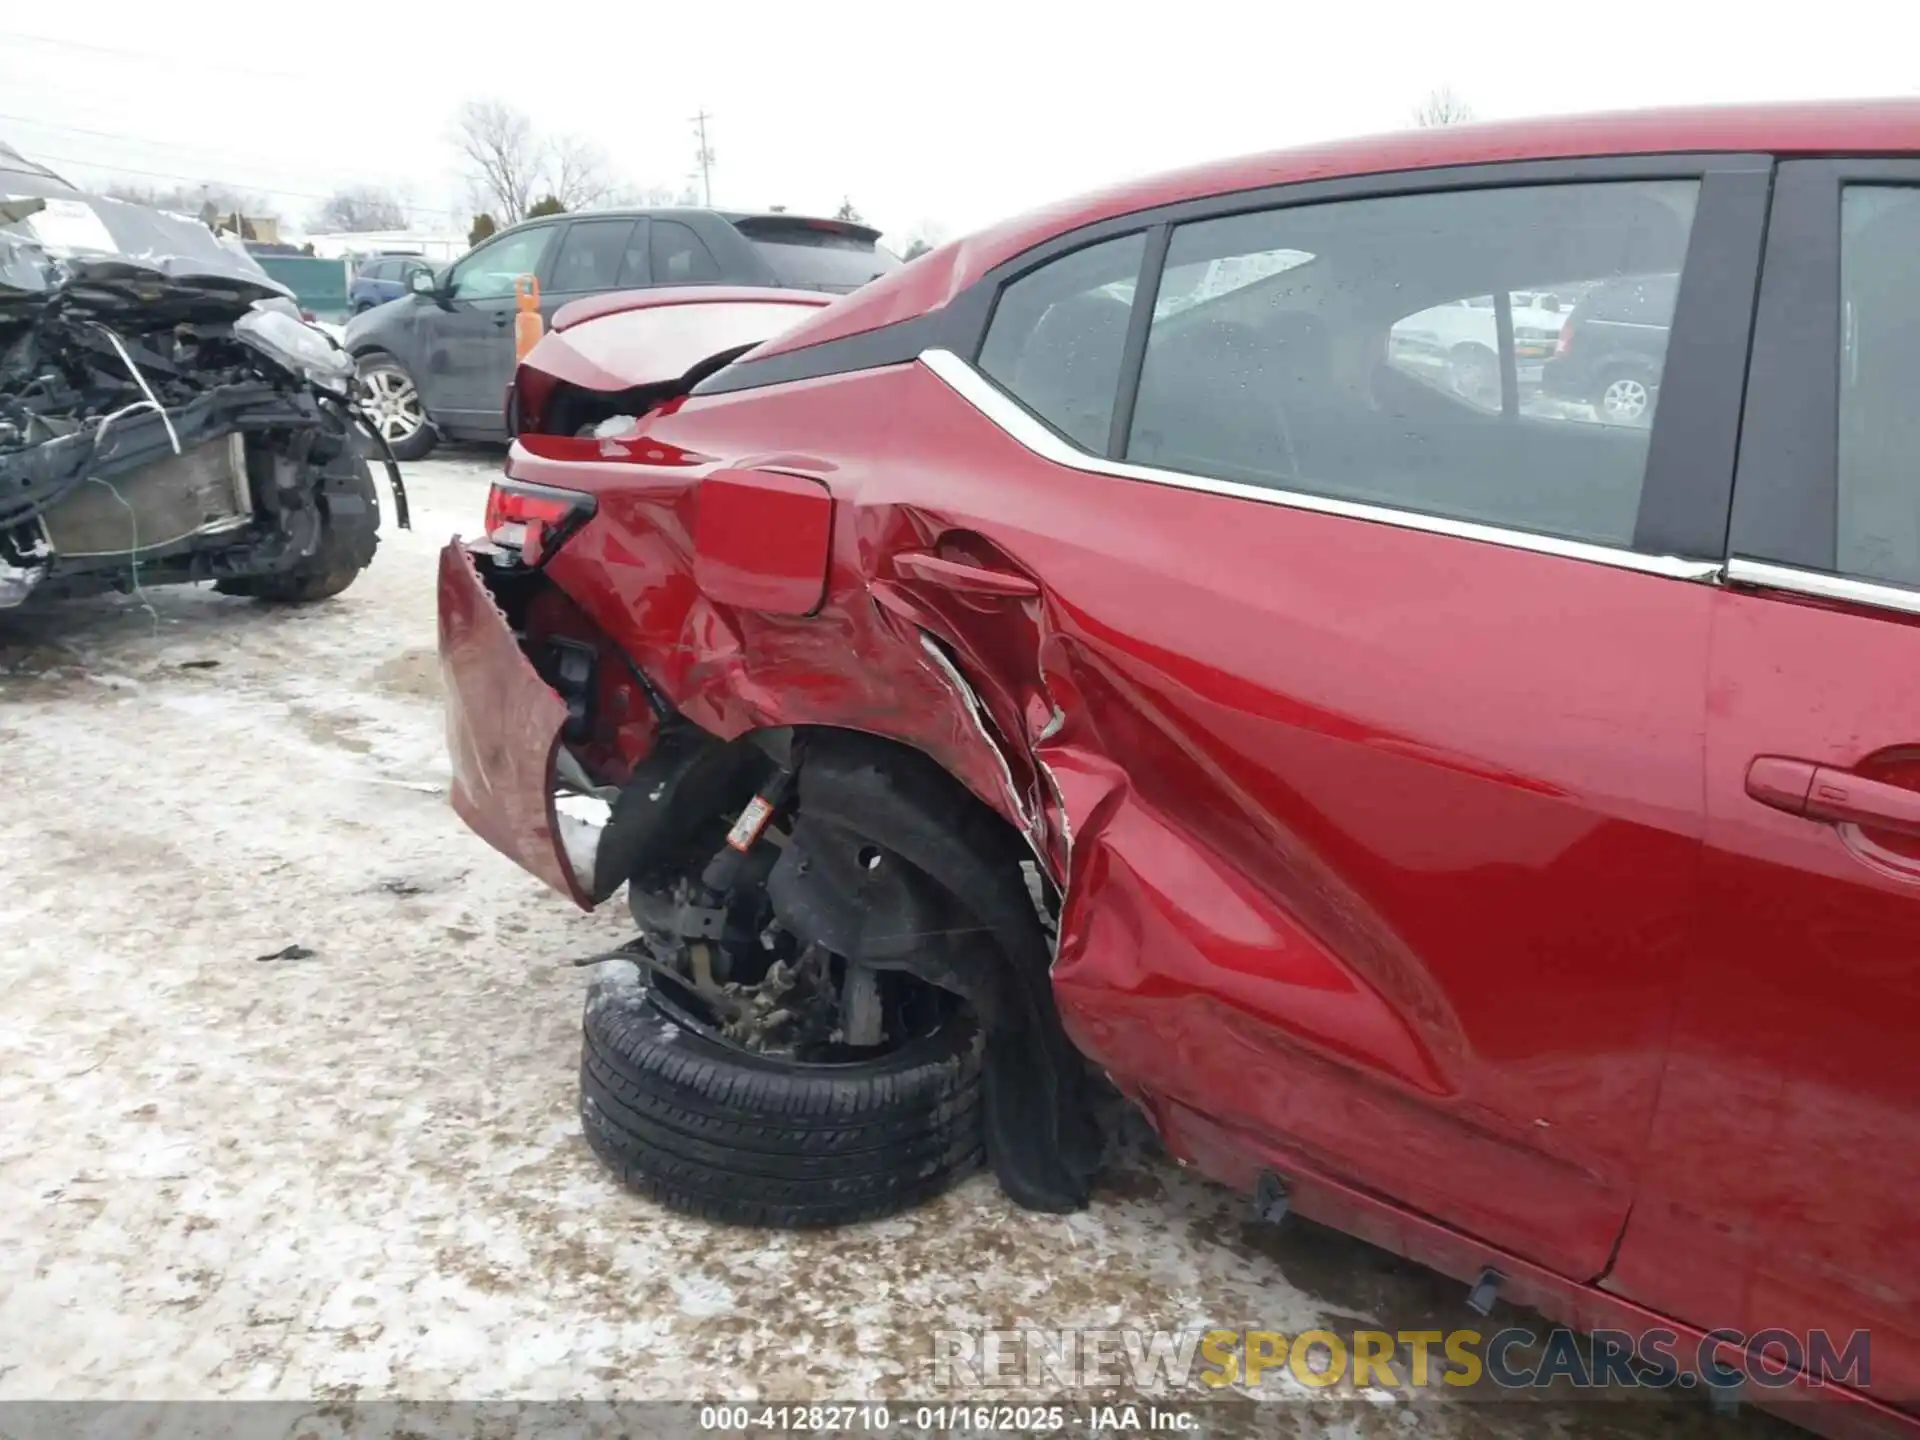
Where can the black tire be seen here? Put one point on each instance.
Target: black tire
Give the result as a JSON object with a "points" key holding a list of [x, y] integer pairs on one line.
{"points": [[350, 533], [414, 444], [715, 1131]]}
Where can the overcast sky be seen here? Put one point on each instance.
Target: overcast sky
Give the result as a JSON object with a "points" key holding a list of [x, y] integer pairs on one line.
{"points": [[948, 116]]}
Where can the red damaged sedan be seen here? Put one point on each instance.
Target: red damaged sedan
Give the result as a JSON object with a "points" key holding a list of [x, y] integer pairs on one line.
{"points": [[1134, 641]]}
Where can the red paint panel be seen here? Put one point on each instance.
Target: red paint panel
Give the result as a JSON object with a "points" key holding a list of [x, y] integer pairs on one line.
{"points": [[1450, 845], [1237, 1157], [732, 670], [760, 540], [1786, 1151], [503, 728], [1452, 853]]}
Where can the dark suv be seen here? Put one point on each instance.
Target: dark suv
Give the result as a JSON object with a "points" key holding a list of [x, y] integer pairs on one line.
{"points": [[439, 362], [1611, 349]]}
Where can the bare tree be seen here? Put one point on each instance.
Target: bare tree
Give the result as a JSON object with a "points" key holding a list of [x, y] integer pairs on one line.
{"points": [[926, 235], [505, 158], [191, 199], [576, 173], [1442, 107], [847, 211], [361, 208], [628, 193]]}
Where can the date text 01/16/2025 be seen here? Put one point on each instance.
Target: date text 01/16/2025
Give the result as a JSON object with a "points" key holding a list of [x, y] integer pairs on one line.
{"points": [[934, 1419]]}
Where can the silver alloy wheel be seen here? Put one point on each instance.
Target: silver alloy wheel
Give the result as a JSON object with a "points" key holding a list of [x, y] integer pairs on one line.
{"points": [[392, 404], [1625, 399]]}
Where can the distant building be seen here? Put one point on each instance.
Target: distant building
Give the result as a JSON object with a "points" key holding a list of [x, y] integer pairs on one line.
{"points": [[264, 228], [427, 245]]}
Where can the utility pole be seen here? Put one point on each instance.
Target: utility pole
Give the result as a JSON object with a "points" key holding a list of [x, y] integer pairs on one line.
{"points": [[703, 157]]}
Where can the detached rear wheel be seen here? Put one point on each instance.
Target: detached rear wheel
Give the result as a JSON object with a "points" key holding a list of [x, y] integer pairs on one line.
{"points": [[713, 1129]]}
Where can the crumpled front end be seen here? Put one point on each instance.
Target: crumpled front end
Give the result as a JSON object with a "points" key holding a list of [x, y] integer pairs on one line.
{"points": [[165, 417]]}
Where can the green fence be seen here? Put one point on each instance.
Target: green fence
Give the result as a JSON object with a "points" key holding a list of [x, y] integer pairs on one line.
{"points": [[319, 285]]}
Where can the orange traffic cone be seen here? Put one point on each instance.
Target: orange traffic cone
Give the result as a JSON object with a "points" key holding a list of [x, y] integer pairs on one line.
{"points": [[527, 325]]}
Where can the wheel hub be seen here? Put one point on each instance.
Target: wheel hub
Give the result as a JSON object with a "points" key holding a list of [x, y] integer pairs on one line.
{"points": [[390, 401]]}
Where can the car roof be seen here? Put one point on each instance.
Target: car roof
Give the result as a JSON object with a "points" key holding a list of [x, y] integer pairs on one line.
{"points": [[1821, 127], [683, 212]]}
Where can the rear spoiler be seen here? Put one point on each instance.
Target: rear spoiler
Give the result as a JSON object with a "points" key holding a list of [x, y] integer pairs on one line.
{"points": [[766, 226]]}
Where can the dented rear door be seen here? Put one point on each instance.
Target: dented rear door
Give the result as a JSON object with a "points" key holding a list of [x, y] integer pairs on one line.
{"points": [[1382, 821]]}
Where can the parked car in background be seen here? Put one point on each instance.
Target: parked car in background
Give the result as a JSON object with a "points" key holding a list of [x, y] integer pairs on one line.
{"points": [[1494, 833], [439, 363], [381, 278], [1613, 349], [1458, 344]]}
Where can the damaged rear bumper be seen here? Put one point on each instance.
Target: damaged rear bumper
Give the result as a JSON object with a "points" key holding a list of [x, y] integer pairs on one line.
{"points": [[504, 727]]}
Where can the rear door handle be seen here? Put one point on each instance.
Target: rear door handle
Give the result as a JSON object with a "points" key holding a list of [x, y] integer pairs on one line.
{"points": [[1831, 795], [503, 319], [931, 569]]}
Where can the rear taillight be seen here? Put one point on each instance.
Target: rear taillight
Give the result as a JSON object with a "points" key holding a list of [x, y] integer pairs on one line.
{"points": [[535, 520], [1565, 342], [308, 316]]}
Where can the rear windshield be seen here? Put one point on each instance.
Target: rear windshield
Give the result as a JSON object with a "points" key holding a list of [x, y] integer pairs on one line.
{"points": [[814, 256]]}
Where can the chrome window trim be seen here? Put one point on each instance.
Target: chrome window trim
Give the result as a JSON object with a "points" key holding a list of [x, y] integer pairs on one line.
{"points": [[1765, 576], [1024, 429]]}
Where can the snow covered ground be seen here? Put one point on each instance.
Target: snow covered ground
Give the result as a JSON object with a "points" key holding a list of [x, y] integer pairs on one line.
{"points": [[360, 1173]]}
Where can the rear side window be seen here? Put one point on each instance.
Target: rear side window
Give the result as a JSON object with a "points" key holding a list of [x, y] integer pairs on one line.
{"points": [[679, 256], [589, 257], [376, 270], [1424, 352], [817, 254], [1057, 335], [1878, 529]]}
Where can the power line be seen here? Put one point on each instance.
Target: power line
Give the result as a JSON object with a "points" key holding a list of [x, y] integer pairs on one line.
{"points": [[149, 56], [168, 145], [209, 182]]}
